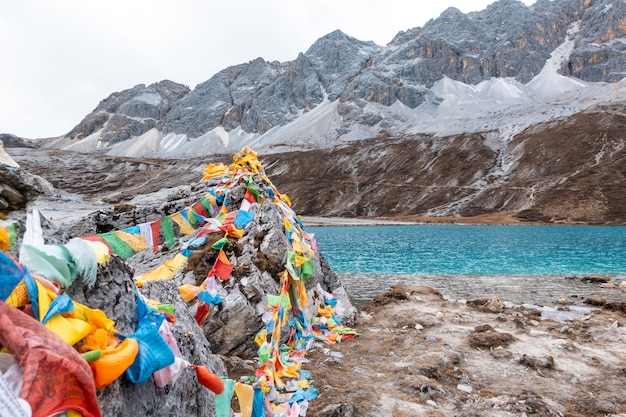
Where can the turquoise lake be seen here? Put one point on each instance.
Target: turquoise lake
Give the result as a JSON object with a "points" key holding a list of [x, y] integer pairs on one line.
{"points": [[518, 263]]}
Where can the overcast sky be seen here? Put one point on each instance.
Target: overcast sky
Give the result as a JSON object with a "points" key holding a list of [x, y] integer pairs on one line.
{"points": [[60, 58]]}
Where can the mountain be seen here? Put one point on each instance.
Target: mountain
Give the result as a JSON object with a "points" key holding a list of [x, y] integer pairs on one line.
{"points": [[516, 109], [460, 73]]}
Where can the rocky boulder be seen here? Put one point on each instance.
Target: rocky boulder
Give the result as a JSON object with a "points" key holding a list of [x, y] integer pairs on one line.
{"points": [[17, 186]]}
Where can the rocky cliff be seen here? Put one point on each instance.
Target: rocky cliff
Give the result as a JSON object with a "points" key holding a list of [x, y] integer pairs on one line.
{"points": [[342, 89]]}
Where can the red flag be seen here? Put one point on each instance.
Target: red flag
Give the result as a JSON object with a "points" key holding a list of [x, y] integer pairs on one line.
{"points": [[249, 197], [209, 379], [199, 208], [222, 267], [155, 227]]}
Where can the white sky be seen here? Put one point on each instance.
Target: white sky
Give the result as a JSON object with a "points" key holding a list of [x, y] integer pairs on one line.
{"points": [[60, 58]]}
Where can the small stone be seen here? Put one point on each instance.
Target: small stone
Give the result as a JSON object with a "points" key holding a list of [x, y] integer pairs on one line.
{"points": [[546, 362], [432, 403], [465, 388], [337, 410], [596, 279], [431, 339]]}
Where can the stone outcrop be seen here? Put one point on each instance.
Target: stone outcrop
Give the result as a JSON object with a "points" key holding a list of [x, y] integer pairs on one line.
{"points": [[114, 293], [17, 186], [128, 113]]}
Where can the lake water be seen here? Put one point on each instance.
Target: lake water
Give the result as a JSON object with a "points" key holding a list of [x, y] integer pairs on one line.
{"points": [[520, 264]]}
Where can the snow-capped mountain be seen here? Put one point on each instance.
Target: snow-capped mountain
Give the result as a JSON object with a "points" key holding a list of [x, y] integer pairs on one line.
{"points": [[502, 70]]}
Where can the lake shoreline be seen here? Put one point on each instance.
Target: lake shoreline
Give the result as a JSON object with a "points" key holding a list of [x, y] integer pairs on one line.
{"points": [[500, 219]]}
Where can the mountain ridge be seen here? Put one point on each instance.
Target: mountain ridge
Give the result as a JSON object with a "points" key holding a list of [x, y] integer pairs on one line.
{"points": [[345, 111], [365, 90]]}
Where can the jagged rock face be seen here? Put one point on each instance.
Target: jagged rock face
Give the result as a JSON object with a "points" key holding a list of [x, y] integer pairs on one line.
{"points": [[130, 112], [567, 170], [260, 95], [470, 48], [600, 52], [219, 98], [474, 47]]}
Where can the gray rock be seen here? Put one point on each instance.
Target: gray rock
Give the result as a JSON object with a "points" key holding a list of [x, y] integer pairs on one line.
{"points": [[337, 410], [17, 186], [114, 294]]}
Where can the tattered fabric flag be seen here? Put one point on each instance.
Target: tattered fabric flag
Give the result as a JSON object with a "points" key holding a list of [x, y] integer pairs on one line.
{"points": [[183, 225], [210, 285], [49, 267], [69, 328], [199, 208], [243, 218], [219, 244], [146, 231], [155, 227], [117, 245], [209, 379], [84, 259], [206, 204], [258, 405], [163, 272], [62, 303], [229, 218], [214, 170], [245, 395], [245, 205], [222, 267], [190, 292], [136, 241], [232, 231], [222, 401], [100, 249], [189, 216], [307, 270], [202, 312], [253, 190], [167, 227], [250, 197], [213, 204], [10, 275], [154, 353]]}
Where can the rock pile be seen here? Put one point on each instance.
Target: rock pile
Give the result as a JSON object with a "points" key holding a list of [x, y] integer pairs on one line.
{"points": [[220, 267]]}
